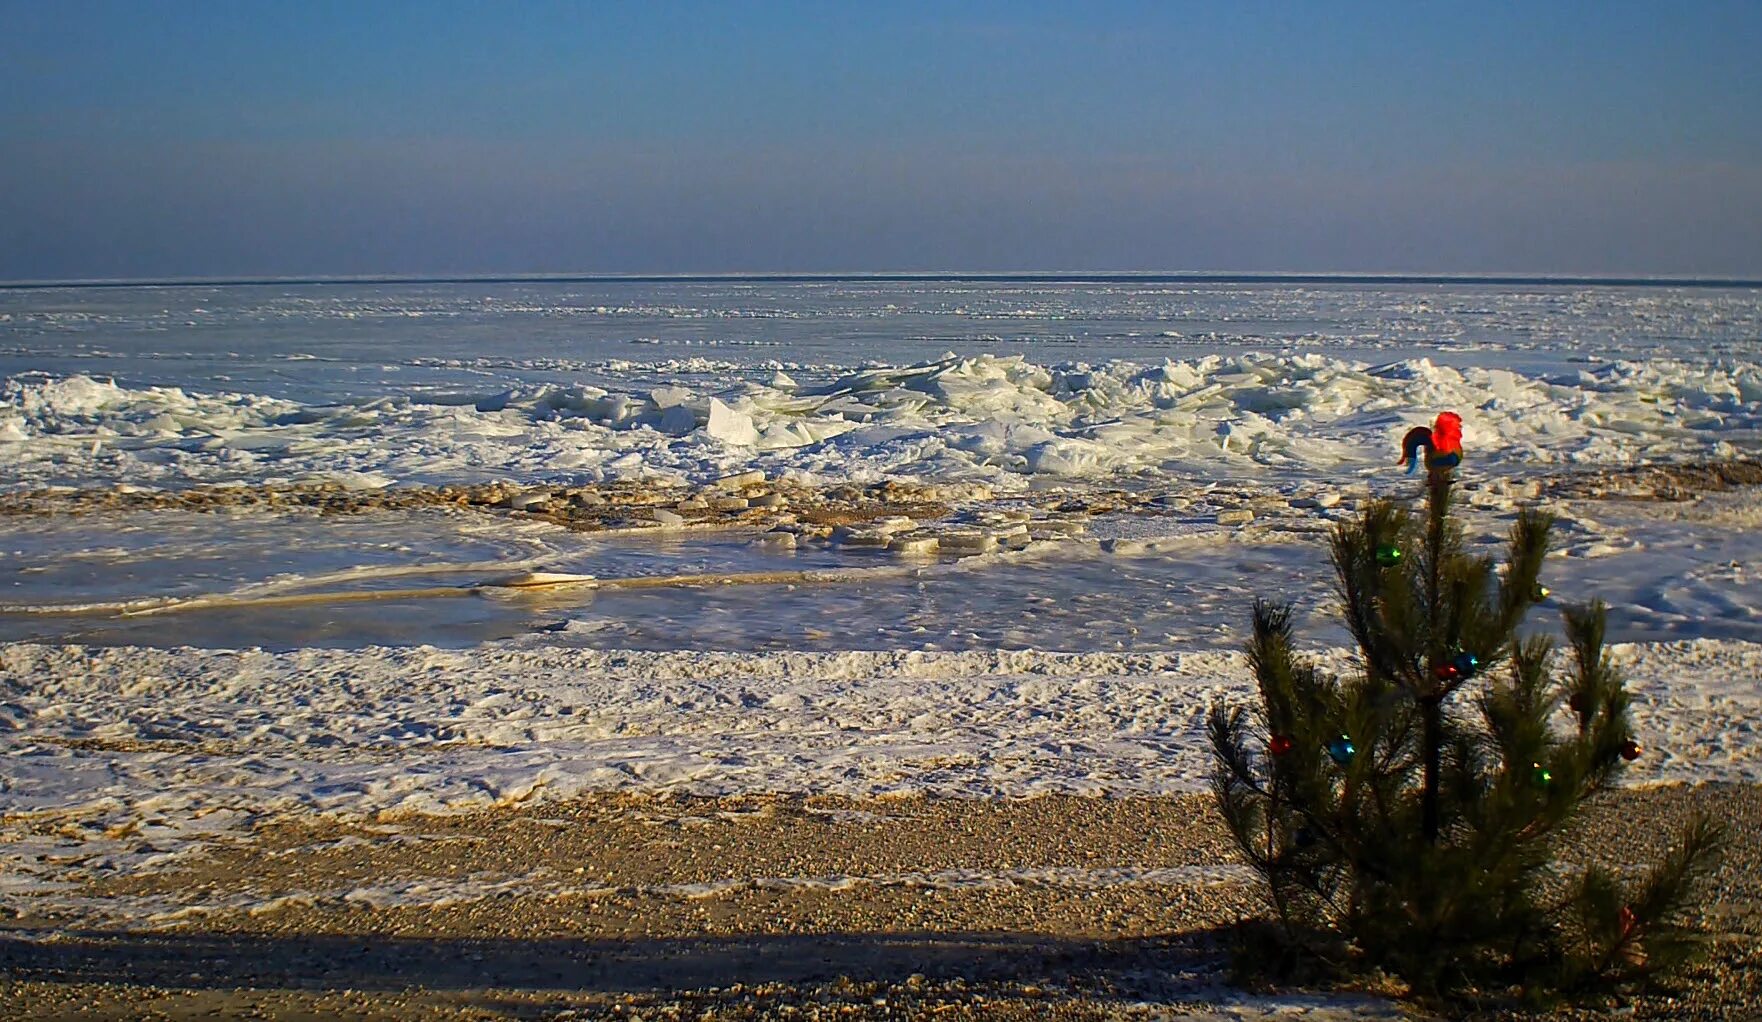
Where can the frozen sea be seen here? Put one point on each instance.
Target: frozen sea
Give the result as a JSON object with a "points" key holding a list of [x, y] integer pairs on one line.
{"points": [[1082, 664], [1025, 386]]}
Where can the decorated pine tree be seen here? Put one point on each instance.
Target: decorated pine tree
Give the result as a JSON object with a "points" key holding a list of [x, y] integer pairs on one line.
{"points": [[1405, 814]]}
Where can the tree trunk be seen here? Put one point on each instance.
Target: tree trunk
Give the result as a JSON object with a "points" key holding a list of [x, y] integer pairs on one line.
{"points": [[1431, 709]]}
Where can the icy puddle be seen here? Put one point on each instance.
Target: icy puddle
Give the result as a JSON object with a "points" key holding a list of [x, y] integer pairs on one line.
{"points": [[170, 578], [1190, 593], [1134, 584], [288, 581]]}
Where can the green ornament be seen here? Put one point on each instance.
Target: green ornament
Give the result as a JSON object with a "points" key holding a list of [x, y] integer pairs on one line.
{"points": [[1541, 776], [1388, 555], [1341, 750]]}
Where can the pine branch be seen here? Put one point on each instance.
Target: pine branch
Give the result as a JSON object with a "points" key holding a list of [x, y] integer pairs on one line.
{"points": [[1528, 547], [1369, 589], [1228, 732]]}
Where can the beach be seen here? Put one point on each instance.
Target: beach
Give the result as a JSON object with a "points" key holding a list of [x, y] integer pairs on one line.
{"points": [[784, 649], [765, 906]]}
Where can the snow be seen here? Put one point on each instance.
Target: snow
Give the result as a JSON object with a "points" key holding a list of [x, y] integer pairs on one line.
{"points": [[1016, 385], [183, 742], [1003, 420]]}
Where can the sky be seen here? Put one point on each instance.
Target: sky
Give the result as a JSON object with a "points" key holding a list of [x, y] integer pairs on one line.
{"points": [[247, 138]]}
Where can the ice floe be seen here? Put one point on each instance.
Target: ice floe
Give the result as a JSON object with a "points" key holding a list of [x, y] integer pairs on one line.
{"points": [[1004, 420]]}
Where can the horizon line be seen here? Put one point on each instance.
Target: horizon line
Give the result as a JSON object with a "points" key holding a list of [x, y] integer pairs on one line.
{"points": [[908, 276]]}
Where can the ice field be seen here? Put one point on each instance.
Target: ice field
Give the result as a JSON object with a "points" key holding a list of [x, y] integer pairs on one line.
{"points": [[168, 677]]}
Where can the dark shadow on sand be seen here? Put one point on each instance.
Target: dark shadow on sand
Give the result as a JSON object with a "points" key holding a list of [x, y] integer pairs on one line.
{"points": [[374, 963]]}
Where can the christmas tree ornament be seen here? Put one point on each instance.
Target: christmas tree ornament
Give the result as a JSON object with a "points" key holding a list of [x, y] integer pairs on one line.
{"points": [[1577, 702], [1466, 664], [1305, 837], [1446, 672], [1442, 444], [1341, 750], [1631, 750], [1278, 745], [1388, 555], [1540, 776], [1541, 593], [1628, 921]]}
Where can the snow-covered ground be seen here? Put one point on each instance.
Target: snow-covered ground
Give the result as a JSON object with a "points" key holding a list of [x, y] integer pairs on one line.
{"points": [[133, 753]]}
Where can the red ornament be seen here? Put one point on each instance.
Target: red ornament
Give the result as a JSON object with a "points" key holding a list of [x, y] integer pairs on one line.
{"points": [[1628, 922], [1281, 744], [1447, 672], [1631, 750]]}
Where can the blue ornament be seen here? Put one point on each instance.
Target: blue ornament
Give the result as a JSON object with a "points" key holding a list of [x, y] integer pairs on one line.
{"points": [[1341, 750], [1466, 664]]}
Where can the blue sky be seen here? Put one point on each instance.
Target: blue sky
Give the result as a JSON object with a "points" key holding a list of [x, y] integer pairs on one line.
{"points": [[247, 138]]}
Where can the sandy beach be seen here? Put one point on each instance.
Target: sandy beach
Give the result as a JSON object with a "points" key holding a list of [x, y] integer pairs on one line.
{"points": [[763, 907]]}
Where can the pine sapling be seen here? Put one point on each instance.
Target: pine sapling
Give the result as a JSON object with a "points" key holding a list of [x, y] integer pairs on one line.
{"points": [[1406, 815]]}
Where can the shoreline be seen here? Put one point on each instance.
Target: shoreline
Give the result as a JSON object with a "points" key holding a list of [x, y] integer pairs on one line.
{"points": [[714, 503]]}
